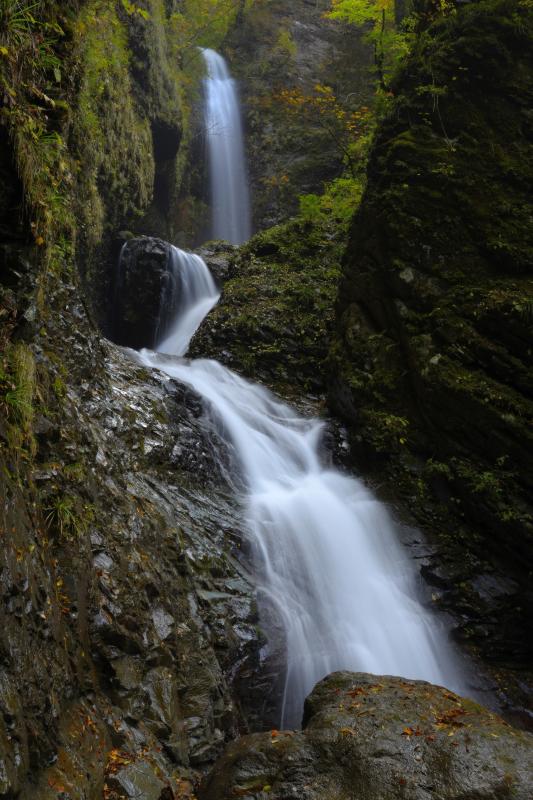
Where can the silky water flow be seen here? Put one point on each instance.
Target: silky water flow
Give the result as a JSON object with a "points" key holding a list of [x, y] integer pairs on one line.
{"points": [[327, 559], [230, 195]]}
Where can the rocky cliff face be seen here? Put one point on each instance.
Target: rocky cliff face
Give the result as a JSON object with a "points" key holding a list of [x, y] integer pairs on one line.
{"points": [[432, 361], [290, 46], [128, 624], [129, 628]]}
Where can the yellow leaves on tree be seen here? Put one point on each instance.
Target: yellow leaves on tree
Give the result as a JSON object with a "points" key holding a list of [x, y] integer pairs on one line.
{"points": [[389, 37], [321, 106]]}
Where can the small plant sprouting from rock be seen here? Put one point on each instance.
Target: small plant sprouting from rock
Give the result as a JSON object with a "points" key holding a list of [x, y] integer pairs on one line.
{"points": [[63, 516], [17, 391]]}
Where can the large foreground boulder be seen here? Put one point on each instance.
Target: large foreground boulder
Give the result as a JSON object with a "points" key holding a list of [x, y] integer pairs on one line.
{"points": [[367, 737]]}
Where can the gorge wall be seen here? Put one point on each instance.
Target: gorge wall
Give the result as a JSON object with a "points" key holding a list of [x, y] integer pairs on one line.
{"points": [[431, 363], [129, 635], [120, 674]]}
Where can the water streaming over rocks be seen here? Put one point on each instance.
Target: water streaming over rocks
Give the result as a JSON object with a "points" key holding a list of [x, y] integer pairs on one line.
{"points": [[230, 197], [327, 562], [191, 294]]}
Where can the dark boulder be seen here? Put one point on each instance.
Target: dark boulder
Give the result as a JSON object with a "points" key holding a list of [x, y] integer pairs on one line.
{"points": [[368, 737], [142, 288]]}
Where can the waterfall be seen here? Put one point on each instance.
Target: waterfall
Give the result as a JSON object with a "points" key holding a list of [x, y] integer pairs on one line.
{"points": [[230, 197], [326, 554], [191, 295]]}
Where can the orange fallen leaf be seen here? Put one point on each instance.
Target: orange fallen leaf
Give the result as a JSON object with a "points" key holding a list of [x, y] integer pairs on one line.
{"points": [[451, 717], [356, 692], [347, 732]]}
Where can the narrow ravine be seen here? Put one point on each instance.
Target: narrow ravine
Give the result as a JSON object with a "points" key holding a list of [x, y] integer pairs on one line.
{"points": [[329, 569], [202, 591]]}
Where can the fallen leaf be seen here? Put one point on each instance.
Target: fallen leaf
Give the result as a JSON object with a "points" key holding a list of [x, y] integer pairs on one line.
{"points": [[356, 692], [451, 717], [347, 732]]}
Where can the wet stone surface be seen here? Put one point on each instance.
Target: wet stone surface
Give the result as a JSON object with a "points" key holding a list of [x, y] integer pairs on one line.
{"points": [[129, 622], [379, 738]]}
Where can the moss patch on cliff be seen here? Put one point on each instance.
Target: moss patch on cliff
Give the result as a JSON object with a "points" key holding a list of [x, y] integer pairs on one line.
{"points": [[275, 318], [433, 350], [112, 141]]}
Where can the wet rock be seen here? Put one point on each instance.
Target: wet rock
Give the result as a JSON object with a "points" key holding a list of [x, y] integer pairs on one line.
{"points": [[163, 622], [138, 780], [107, 574], [143, 280], [218, 257], [376, 737]]}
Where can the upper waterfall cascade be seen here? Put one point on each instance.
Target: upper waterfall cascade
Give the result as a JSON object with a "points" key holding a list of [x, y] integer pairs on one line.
{"points": [[327, 558], [230, 196]]}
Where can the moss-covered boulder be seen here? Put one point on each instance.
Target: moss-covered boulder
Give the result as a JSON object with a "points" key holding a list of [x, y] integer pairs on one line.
{"points": [[432, 358], [379, 738], [275, 317]]}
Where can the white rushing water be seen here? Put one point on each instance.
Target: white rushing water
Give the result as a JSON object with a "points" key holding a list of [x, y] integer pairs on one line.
{"points": [[230, 197], [327, 558], [197, 293]]}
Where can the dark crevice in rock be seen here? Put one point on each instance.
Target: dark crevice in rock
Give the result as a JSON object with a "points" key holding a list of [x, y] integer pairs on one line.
{"points": [[166, 138]]}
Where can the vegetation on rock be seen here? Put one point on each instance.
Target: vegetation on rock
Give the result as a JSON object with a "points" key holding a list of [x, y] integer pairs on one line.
{"points": [[275, 318], [379, 737], [431, 362], [129, 629]]}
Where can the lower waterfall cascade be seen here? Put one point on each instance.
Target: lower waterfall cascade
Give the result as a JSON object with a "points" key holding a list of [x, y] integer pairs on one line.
{"points": [[326, 555]]}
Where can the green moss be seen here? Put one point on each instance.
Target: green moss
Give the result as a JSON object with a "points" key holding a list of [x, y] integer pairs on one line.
{"points": [[434, 312], [113, 141], [17, 394], [276, 313]]}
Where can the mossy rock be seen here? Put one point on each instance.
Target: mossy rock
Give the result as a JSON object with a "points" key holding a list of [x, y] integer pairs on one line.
{"points": [[369, 737], [434, 313], [275, 318]]}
